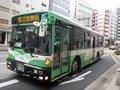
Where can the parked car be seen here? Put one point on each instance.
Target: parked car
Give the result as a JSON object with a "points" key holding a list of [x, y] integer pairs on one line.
{"points": [[112, 47]]}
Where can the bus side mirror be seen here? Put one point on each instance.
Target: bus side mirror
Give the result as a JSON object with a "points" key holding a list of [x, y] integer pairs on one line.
{"points": [[11, 43], [42, 31], [8, 42], [43, 27]]}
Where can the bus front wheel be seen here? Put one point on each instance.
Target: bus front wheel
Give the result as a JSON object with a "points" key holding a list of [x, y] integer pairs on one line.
{"points": [[75, 67]]}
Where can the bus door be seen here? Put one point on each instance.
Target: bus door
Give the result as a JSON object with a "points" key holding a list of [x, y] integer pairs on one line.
{"points": [[65, 51], [93, 47], [61, 48]]}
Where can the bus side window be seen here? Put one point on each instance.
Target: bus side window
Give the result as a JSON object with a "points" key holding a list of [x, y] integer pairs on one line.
{"points": [[96, 41], [87, 40], [81, 42]]}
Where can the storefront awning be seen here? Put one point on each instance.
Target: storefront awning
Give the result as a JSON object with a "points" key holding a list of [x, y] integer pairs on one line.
{"points": [[3, 30]]}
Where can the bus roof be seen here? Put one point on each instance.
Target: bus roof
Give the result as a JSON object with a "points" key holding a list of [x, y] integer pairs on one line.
{"points": [[74, 22], [63, 18]]}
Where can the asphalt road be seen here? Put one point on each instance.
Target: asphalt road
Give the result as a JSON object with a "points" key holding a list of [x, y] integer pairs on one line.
{"points": [[11, 81]]}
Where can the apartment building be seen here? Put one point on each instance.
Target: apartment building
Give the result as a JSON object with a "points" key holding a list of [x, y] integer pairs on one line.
{"points": [[5, 20], [118, 24], [82, 11], [100, 23], [94, 19], [112, 26], [105, 22], [8, 8]]}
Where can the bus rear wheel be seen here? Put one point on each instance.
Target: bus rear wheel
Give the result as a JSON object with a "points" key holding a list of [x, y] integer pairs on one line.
{"points": [[75, 66]]}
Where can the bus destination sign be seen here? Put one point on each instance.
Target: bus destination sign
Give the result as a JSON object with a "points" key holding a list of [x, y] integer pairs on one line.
{"points": [[26, 19]]}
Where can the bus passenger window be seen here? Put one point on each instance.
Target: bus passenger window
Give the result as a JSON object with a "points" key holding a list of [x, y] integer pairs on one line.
{"points": [[87, 40]]}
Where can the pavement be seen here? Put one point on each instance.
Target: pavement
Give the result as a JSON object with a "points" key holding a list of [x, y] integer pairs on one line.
{"points": [[3, 47], [110, 80]]}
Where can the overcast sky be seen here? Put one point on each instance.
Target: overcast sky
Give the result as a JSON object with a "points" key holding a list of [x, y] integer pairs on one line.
{"points": [[104, 4]]}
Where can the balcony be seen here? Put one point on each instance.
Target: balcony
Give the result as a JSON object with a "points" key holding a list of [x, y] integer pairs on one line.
{"points": [[106, 30], [118, 31], [106, 34], [106, 26]]}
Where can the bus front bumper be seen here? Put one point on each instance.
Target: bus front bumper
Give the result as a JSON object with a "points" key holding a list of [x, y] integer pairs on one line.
{"points": [[41, 73]]}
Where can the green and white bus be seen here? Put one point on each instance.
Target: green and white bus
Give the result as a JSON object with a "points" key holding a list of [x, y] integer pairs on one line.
{"points": [[47, 46]]}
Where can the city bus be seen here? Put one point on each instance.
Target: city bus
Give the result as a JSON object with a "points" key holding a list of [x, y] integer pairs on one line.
{"points": [[47, 46]]}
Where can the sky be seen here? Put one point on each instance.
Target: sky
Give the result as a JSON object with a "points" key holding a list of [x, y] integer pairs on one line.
{"points": [[104, 4]]}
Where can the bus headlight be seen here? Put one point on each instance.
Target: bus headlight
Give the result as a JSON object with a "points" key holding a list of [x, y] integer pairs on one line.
{"points": [[46, 77], [8, 66], [47, 61], [40, 77]]}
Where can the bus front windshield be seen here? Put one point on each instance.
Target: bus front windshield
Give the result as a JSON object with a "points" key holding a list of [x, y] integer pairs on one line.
{"points": [[27, 38]]}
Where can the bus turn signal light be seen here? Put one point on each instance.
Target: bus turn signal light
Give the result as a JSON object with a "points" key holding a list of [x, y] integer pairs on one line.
{"points": [[47, 61]]}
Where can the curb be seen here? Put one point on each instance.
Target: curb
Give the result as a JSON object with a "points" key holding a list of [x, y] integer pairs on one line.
{"points": [[3, 48], [103, 81], [116, 57]]}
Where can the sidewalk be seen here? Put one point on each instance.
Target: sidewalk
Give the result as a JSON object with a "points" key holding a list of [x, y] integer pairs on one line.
{"points": [[3, 47], [112, 85], [107, 81]]}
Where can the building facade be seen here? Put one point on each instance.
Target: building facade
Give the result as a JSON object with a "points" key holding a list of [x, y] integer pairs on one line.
{"points": [[8, 8], [118, 24], [105, 22], [82, 11], [112, 26], [100, 23], [60, 7]]}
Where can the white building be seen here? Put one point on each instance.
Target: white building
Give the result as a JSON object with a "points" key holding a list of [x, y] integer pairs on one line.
{"points": [[8, 8], [82, 11], [113, 26]]}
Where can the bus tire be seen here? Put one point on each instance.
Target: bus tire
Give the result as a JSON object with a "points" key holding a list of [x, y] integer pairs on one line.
{"points": [[75, 67]]}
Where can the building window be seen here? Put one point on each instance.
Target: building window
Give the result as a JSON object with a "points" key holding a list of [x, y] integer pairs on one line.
{"points": [[16, 1], [58, 6], [43, 4], [4, 9], [27, 5], [15, 12], [3, 21]]}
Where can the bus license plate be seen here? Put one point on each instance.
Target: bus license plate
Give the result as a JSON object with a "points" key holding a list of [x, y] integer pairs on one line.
{"points": [[20, 67]]}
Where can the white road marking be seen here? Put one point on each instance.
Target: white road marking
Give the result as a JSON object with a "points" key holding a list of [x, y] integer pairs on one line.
{"points": [[3, 55], [8, 83], [105, 55], [2, 63], [81, 77]]}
